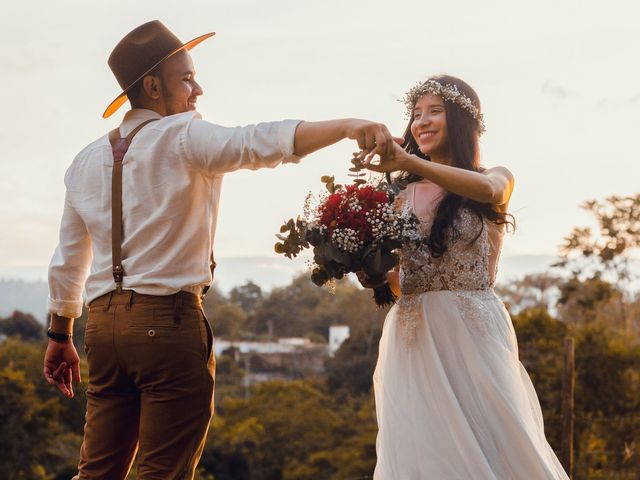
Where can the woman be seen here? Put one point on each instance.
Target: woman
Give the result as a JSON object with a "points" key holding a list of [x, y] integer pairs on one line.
{"points": [[453, 400]]}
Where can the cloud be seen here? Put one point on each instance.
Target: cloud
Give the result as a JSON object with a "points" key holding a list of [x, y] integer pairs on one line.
{"points": [[556, 91]]}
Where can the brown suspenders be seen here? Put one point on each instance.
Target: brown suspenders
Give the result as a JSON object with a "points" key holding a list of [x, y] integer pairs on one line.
{"points": [[119, 147]]}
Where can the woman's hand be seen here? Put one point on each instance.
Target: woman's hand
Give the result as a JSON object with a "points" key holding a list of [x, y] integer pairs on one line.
{"points": [[369, 282], [393, 279], [395, 159]]}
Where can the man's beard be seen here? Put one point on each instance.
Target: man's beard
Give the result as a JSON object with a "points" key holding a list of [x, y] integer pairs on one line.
{"points": [[167, 98]]}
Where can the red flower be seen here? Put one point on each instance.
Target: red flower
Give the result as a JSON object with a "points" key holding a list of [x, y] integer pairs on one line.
{"points": [[333, 200], [381, 197], [335, 211]]}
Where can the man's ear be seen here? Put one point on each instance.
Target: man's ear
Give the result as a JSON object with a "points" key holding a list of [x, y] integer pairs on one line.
{"points": [[151, 85]]}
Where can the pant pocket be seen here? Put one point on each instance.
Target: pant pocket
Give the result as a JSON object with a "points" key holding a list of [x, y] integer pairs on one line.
{"points": [[209, 335], [150, 322]]}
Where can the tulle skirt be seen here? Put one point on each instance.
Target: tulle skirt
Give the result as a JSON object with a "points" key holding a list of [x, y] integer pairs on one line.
{"points": [[453, 401]]}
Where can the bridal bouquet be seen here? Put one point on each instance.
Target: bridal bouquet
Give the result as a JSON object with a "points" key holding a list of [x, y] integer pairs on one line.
{"points": [[353, 228]]}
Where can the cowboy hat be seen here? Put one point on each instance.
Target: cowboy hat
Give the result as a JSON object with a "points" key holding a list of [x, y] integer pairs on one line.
{"points": [[140, 52]]}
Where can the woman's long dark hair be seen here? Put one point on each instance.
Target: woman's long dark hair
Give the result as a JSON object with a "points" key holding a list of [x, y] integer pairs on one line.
{"points": [[463, 132]]}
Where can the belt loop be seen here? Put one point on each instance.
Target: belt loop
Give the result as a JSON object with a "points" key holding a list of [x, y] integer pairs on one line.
{"points": [[106, 308], [127, 306], [177, 308]]}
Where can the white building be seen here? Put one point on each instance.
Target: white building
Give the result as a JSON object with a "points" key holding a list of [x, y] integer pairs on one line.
{"points": [[283, 345], [337, 335]]}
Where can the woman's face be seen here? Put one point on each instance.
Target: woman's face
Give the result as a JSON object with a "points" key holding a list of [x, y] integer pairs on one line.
{"points": [[429, 125]]}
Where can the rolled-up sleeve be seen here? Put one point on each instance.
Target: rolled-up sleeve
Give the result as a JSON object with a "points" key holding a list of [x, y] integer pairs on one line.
{"points": [[70, 264], [216, 149]]}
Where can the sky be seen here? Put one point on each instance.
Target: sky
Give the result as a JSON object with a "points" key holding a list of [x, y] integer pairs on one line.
{"points": [[559, 83]]}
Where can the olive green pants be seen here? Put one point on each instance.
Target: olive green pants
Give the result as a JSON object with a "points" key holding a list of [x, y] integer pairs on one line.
{"points": [[151, 379]]}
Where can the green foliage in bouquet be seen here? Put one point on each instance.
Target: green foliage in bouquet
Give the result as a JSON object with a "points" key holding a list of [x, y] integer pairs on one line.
{"points": [[296, 241]]}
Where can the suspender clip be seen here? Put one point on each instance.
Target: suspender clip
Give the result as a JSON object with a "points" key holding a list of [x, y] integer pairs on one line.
{"points": [[118, 275]]}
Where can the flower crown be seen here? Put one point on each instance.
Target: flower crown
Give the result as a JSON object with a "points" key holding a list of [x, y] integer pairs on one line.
{"points": [[449, 93]]}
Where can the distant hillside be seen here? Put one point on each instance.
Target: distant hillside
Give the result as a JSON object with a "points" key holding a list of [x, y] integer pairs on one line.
{"points": [[517, 266], [30, 297], [25, 288]]}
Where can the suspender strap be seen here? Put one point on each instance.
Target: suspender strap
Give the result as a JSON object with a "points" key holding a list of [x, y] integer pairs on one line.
{"points": [[119, 147]]}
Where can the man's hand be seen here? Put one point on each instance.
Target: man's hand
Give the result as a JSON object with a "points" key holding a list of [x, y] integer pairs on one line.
{"points": [[373, 138], [62, 366]]}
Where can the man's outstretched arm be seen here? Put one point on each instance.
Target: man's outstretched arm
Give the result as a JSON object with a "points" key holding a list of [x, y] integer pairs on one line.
{"points": [[215, 149], [372, 137]]}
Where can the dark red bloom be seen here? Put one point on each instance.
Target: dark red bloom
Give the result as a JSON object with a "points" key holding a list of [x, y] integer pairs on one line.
{"points": [[333, 200], [381, 197], [335, 211]]}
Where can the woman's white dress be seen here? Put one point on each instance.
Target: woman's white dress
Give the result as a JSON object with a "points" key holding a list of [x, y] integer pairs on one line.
{"points": [[453, 401]]}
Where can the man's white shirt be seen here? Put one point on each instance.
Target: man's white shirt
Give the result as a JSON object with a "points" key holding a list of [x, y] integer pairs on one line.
{"points": [[171, 181]]}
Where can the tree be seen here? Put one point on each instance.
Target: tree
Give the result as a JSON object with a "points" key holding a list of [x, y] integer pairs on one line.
{"points": [[35, 438], [582, 302], [607, 386], [291, 431], [214, 298], [610, 248], [292, 311], [607, 403], [23, 325], [33, 413], [303, 309], [540, 345], [246, 296], [227, 319], [350, 371], [606, 253], [532, 291]]}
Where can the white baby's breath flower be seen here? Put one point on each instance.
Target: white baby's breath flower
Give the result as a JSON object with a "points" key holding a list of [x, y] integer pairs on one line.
{"points": [[346, 239]]}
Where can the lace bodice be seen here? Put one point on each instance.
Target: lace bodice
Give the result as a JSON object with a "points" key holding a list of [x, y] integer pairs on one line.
{"points": [[467, 264]]}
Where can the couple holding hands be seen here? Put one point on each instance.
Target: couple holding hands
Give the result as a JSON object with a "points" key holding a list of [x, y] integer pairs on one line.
{"points": [[453, 400]]}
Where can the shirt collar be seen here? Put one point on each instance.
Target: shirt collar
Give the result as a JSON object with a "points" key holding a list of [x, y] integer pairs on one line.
{"points": [[135, 117]]}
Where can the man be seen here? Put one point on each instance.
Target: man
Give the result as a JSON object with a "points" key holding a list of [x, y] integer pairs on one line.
{"points": [[137, 232]]}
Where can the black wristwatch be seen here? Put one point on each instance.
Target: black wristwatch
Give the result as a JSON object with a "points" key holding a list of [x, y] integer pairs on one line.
{"points": [[59, 337]]}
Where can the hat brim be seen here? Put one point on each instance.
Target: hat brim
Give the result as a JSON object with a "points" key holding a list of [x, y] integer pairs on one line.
{"points": [[122, 98]]}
